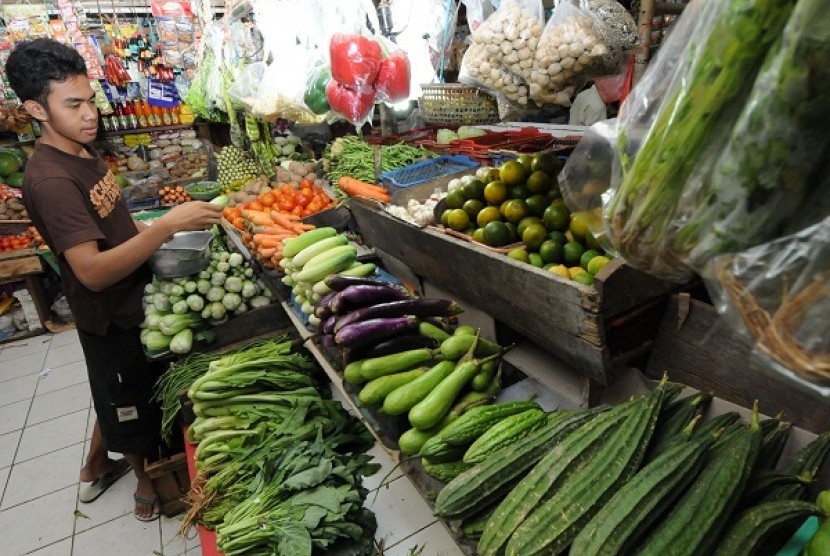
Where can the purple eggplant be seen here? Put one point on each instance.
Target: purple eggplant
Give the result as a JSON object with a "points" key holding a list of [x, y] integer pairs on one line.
{"points": [[374, 330], [388, 347], [414, 307], [327, 340], [327, 326], [322, 309], [338, 282], [363, 295]]}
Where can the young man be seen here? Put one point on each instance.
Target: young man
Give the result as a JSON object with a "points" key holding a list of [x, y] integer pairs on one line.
{"points": [[78, 208]]}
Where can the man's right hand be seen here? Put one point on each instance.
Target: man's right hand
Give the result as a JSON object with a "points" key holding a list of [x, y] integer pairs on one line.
{"points": [[193, 215]]}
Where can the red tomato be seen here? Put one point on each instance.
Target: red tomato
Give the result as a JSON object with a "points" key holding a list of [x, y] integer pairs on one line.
{"points": [[285, 205], [306, 183], [268, 199], [302, 200], [297, 211]]}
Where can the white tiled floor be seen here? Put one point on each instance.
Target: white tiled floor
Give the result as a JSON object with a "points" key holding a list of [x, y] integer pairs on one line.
{"points": [[46, 420]]}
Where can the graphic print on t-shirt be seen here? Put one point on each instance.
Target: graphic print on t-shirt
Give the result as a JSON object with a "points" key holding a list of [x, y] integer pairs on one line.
{"points": [[104, 195]]}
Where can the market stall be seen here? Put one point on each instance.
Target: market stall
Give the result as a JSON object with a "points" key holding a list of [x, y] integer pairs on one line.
{"points": [[570, 339]]}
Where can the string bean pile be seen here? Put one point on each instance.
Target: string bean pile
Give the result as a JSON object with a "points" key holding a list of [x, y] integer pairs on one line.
{"points": [[353, 157]]}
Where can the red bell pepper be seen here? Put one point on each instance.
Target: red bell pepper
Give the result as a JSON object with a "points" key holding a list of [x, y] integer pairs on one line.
{"points": [[355, 60], [353, 104], [393, 78]]}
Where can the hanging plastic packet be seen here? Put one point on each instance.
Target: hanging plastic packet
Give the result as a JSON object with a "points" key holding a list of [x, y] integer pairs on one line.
{"points": [[500, 58], [583, 39], [315, 93], [779, 294], [394, 76], [675, 122]]}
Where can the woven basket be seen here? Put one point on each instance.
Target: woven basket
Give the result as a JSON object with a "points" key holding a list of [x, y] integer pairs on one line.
{"points": [[456, 104]]}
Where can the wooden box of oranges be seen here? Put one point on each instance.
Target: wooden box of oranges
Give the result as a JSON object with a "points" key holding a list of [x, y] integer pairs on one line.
{"points": [[553, 284]]}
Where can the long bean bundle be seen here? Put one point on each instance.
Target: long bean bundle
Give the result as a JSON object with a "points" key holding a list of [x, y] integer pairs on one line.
{"points": [[353, 157]]}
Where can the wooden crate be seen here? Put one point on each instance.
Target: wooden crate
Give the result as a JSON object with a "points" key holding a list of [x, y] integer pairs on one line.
{"points": [[171, 482], [594, 329], [696, 348], [18, 264]]}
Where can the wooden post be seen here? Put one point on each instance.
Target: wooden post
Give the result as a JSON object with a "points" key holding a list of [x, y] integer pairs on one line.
{"points": [[644, 24]]}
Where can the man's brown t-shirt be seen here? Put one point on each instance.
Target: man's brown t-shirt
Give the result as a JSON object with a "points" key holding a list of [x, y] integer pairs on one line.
{"points": [[72, 200]]}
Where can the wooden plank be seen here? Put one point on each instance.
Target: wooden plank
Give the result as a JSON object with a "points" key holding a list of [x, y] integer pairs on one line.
{"points": [[567, 318], [622, 287], [703, 352], [645, 21], [22, 266]]}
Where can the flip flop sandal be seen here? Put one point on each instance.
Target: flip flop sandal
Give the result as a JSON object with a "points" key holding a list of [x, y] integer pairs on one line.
{"points": [[99, 486], [149, 502]]}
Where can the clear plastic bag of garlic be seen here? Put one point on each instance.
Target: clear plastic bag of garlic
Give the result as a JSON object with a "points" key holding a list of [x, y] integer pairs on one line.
{"points": [[579, 44], [500, 58]]}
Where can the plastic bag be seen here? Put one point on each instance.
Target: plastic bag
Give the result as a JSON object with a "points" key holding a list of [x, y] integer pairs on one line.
{"points": [[675, 122], [779, 293], [500, 58], [583, 39], [477, 12], [425, 33], [774, 156], [394, 75], [244, 90], [315, 89]]}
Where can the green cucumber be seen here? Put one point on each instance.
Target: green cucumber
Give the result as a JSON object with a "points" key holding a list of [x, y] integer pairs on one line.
{"points": [[479, 419], [808, 463], [553, 525], [573, 451], [388, 364], [696, 520], [294, 245], [429, 330], [485, 376], [486, 483], [457, 345], [412, 440], [763, 483], [429, 411], [374, 392], [504, 433], [713, 425], [465, 330], [751, 528], [402, 399], [773, 446], [444, 472], [632, 511], [673, 419]]}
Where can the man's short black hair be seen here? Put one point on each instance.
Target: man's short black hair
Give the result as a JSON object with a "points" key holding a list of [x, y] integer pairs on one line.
{"points": [[32, 65]]}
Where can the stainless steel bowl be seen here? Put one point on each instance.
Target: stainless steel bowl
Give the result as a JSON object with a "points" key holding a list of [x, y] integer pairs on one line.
{"points": [[187, 253]]}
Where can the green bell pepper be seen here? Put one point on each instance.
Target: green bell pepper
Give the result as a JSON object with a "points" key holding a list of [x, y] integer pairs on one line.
{"points": [[315, 94]]}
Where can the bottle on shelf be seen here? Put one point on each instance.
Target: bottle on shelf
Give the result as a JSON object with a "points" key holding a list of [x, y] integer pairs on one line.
{"points": [[132, 121], [165, 116], [174, 115], [156, 116], [138, 108], [185, 115], [117, 124]]}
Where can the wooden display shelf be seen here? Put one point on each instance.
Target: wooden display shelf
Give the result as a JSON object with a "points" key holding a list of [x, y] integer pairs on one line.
{"points": [[18, 264], [147, 130], [594, 329]]}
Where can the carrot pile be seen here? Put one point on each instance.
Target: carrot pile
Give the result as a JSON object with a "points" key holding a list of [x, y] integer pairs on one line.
{"points": [[356, 188], [173, 195], [263, 230]]}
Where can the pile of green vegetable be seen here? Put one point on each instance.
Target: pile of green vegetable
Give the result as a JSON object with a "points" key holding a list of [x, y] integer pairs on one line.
{"points": [[181, 311], [642, 477], [279, 464], [721, 144], [351, 156]]}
